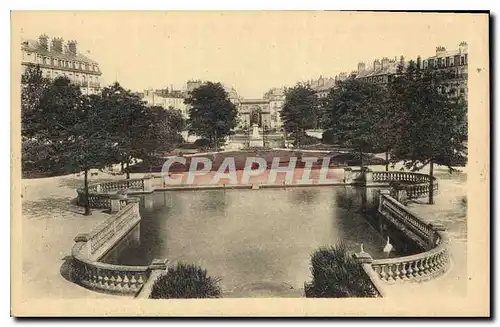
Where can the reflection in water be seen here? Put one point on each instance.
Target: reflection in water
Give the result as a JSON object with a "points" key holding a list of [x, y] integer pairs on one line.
{"points": [[246, 236]]}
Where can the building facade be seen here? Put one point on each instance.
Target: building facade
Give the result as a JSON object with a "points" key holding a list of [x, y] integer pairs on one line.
{"points": [[380, 72], [58, 59], [455, 64], [276, 98], [167, 99]]}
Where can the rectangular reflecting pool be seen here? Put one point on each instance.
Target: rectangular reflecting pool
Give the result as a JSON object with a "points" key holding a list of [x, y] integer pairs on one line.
{"points": [[253, 239]]}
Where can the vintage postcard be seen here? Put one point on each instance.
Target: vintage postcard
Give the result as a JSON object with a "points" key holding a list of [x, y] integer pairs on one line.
{"points": [[260, 163]]}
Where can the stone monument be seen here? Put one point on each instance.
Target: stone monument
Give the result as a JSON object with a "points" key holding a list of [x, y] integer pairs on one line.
{"points": [[256, 140]]}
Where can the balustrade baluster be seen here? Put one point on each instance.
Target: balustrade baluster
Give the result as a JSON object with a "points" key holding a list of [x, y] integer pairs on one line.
{"points": [[397, 271], [133, 281], [390, 274], [432, 264], [426, 266], [119, 281], [415, 269], [140, 280], [404, 271], [418, 264]]}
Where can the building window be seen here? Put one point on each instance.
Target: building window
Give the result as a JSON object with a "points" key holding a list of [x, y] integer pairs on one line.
{"points": [[80, 65], [447, 61], [465, 59], [462, 60]]}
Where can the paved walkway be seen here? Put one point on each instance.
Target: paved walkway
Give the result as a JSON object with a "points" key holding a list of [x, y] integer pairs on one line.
{"points": [[450, 210], [50, 221]]}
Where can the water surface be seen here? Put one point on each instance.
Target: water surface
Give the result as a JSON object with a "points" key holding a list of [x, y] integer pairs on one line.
{"points": [[249, 237]]}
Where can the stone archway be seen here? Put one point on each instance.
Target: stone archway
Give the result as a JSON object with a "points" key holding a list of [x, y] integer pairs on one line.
{"points": [[256, 116]]}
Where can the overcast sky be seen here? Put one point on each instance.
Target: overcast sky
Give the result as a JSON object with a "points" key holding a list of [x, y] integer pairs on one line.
{"points": [[250, 51]]}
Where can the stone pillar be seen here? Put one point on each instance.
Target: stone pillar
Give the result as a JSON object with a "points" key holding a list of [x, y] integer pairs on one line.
{"points": [[368, 177], [158, 264], [98, 188], [381, 198], [363, 257], [148, 184], [115, 201]]}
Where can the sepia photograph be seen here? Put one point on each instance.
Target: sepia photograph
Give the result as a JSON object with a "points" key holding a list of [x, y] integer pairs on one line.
{"points": [[250, 163]]}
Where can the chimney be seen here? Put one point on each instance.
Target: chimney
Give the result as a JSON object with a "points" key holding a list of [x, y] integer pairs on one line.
{"points": [[72, 47], [361, 67], [57, 44], [462, 47], [419, 62], [385, 62], [440, 51], [377, 65], [44, 41]]}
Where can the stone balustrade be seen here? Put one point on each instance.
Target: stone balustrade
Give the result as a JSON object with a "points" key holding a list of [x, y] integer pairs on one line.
{"points": [[89, 248], [400, 176], [115, 279], [128, 184], [419, 267], [431, 263], [401, 216]]}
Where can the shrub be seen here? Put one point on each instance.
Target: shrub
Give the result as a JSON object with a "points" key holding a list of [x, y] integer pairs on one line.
{"points": [[186, 282], [329, 137], [202, 143], [337, 274]]}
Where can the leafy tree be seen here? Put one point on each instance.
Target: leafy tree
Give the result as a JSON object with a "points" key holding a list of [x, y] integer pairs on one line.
{"points": [[433, 124], [75, 129], [126, 120], [33, 85], [353, 108], [186, 282], [300, 111], [336, 274], [162, 132], [211, 114]]}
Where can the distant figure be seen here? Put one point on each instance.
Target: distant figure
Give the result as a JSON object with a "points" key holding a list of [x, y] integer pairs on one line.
{"points": [[388, 247]]}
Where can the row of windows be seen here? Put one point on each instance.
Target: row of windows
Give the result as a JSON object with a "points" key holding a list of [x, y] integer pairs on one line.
{"points": [[446, 61], [81, 79], [66, 63]]}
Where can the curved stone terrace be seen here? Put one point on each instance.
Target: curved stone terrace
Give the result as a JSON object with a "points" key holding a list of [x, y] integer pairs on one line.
{"points": [[99, 217]]}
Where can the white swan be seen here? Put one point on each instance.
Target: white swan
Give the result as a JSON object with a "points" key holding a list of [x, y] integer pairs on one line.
{"points": [[388, 246]]}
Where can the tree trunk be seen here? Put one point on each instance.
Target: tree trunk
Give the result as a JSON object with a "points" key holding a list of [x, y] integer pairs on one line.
{"points": [[361, 159], [123, 167], [387, 160], [216, 141], [431, 182], [127, 170], [86, 186]]}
